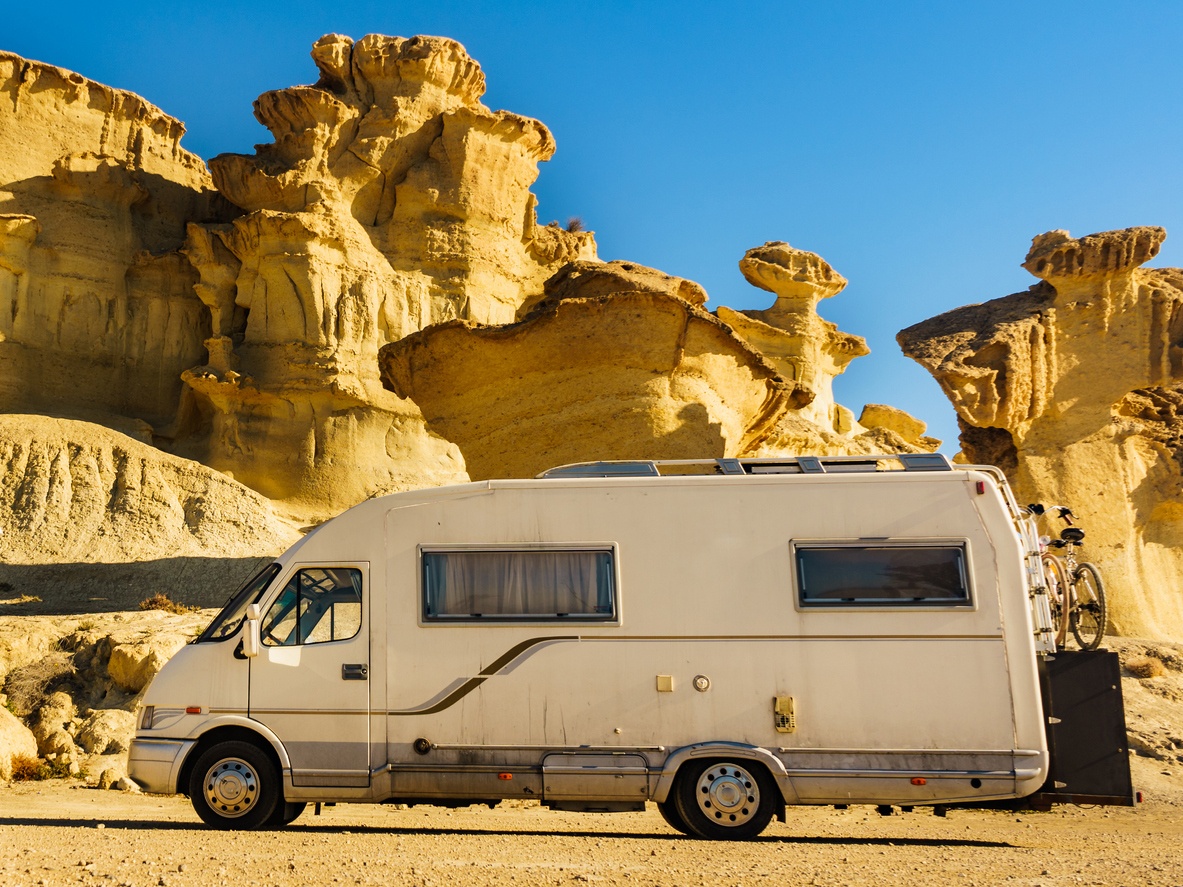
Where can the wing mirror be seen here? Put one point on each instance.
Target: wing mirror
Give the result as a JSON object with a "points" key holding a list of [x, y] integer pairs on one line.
{"points": [[250, 639]]}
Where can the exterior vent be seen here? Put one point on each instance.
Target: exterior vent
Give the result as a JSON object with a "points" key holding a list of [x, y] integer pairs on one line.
{"points": [[784, 718]]}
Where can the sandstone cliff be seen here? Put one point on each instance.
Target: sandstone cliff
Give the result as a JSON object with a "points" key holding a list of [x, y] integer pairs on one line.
{"points": [[619, 361], [1075, 388], [234, 317], [390, 200], [94, 520], [96, 304]]}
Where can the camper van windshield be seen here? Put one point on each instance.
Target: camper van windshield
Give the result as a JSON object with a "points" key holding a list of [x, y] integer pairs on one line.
{"points": [[227, 622]]}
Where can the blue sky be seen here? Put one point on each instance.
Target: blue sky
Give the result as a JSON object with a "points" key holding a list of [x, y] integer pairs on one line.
{"points": [[918, 147]]}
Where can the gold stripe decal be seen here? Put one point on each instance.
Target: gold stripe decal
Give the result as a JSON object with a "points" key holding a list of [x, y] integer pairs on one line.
{"points": [[472, 683], [449, 699]]}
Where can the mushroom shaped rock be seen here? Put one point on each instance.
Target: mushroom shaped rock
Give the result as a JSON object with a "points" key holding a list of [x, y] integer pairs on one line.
{"points": [[633, 375], [790, 273], [1074, 387], [806, 350], [1077, 265], [897, 421]]}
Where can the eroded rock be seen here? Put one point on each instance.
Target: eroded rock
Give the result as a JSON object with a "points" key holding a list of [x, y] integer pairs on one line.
{"points": [[95, 302], [106, 731], [15, 740], [1074, 386]]}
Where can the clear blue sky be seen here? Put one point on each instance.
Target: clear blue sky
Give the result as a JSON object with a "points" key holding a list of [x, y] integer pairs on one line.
{"points": [[916, 146]]}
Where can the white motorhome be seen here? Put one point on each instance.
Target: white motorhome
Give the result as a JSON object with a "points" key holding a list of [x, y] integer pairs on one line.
{"points": [[723, 638]]}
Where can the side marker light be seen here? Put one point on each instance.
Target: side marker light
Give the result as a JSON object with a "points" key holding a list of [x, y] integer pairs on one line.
{"points": [[919, 780], [193, 710]]}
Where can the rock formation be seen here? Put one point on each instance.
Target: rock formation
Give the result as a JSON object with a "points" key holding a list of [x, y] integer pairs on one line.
{"points": [[632, 371], [1075, 387], [234, 319], [96, 304], [94, 520], [619, 361], [390, 200], [810, 352]]}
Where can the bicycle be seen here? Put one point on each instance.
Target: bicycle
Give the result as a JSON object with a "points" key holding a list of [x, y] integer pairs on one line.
{"points": [[1075, 590]]}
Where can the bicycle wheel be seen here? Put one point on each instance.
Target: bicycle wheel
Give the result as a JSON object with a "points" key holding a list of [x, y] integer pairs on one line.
{"points": [[1055, 577], [1088, 614]]}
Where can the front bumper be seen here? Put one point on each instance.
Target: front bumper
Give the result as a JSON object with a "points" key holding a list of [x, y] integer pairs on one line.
{"points": [[155, 764]]}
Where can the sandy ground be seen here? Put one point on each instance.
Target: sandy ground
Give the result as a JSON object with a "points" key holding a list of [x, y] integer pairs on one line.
{"points": [[61, 832]]}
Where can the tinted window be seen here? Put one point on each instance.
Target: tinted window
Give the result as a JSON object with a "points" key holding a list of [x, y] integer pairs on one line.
{"points": [[504, 584], [318, 604], [887, 575]]}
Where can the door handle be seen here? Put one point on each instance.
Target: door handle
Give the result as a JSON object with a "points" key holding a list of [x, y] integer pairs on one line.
{"points": [[354, 672]]}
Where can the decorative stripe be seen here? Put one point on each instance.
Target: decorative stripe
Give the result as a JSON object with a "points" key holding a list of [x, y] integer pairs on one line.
{"points": [[438, 704], [472, 683]]}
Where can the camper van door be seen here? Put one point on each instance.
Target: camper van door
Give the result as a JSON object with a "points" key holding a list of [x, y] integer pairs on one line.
{"points": [[310, 682]]}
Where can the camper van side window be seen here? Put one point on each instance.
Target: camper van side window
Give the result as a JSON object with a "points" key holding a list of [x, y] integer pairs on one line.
{"points": [[500, 584], [318, 604], [881, 575]]}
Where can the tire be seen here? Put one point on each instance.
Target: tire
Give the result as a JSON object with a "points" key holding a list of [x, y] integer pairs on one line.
{"points": [[1090, 612], [669, 812], [725, 800], [285, 814], [235, 785], [1057, 596]]}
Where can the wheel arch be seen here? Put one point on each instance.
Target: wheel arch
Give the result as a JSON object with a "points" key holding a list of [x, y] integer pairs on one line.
{"points": [[724, 751], [226, 731]]}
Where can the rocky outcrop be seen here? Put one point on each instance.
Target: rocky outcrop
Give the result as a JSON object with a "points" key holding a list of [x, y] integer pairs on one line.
{"points": [[96, 303], [619, 361], [69, 686], [1074, 387], [235, 317], [391, 199], [809, 353], [629, 375], [81, 506]]}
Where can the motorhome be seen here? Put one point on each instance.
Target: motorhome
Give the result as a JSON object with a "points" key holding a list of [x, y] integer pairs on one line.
{"points": [[723, 638]]}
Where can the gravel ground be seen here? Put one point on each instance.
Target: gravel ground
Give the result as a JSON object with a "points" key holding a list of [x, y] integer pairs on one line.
{"points": [[62, 832]]}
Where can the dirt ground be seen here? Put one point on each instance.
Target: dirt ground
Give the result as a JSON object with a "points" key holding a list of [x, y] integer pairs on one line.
{"points": [[60, 832]]}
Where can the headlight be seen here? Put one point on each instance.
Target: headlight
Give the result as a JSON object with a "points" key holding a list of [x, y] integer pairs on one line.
{"points": [[146, 717]]}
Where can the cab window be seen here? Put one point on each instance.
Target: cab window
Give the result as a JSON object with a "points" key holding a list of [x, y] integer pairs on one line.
{"points": [[318, 604]]}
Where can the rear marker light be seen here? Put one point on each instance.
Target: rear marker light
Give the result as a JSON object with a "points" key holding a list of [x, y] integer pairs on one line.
{"points": [[981, 485], [193, 710], [919, 780]]}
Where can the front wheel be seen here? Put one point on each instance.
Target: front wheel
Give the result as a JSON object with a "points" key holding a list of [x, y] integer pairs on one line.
{"points": [[1089, 611], [235, 785], [721, 800]]}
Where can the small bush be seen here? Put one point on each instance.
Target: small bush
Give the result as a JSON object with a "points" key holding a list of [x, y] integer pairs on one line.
{"points": [[574, 224], [25, 768], [161, 601], [1145, 667]]}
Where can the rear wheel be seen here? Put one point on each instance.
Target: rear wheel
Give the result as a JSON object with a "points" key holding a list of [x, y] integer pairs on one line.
{"points": [[285, 814], [721, 800], [235, 785], [669, 812], [1089, 611]]}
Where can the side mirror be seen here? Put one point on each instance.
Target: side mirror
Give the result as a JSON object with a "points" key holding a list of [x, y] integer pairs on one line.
{"points": [[250, 638]]}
